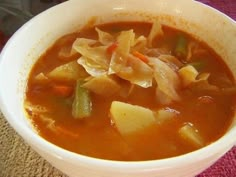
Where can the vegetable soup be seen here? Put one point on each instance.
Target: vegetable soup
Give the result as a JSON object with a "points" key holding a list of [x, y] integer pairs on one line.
{"points": [[130, 91]]}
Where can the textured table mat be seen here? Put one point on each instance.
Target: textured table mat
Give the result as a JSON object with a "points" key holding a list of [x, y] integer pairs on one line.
{"points": [[17, 159]]}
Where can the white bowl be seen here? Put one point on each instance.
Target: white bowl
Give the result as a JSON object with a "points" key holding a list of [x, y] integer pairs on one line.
{"points": [[28, 43]]}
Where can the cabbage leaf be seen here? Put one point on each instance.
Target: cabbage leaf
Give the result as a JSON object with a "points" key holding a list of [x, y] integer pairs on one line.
{"points": [[167, 80], [104, 38]]}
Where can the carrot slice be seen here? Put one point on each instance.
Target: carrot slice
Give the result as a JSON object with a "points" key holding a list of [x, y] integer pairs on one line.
{"points": [[62, 90], [112, 48], [140, 56]]}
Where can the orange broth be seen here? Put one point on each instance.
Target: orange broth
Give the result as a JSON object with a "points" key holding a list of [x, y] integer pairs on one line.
{"points": [[96, 136]]}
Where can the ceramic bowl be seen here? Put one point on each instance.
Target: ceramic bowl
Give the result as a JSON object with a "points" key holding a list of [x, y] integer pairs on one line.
{"points": [[30, 41]]}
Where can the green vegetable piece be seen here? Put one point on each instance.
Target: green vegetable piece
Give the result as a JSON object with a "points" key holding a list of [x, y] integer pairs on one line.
{"points": [[181, 48], [82, 105]]}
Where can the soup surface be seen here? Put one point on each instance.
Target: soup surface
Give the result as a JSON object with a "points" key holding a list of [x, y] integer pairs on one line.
{"points": [[130, 91]]}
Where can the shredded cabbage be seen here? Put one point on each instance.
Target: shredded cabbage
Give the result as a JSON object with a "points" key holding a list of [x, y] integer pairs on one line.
{"points": [[137, 72], [140, 43], [96, 54], [167, 80], [83, 42], [125, 40], [104, 37], [155, 31], [91, 67], [172, 61], [113, 55]]}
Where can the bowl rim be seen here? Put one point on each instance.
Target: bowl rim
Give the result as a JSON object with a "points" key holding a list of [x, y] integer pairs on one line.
{"points": [[225, 142]]}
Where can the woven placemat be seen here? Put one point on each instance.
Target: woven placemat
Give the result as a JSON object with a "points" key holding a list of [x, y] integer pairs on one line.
{"points": [[17, 159]]}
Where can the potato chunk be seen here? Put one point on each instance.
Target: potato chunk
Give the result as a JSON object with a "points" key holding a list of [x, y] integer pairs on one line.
{"points": [[188, 74], [131, 118], [165, 115], [191, 135]]}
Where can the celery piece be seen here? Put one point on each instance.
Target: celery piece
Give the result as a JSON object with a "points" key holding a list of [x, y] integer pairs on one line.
{"points": [[82, 105], [181, 48]]}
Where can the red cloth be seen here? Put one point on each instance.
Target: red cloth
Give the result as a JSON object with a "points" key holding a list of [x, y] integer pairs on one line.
{"points": [[226, 166]]}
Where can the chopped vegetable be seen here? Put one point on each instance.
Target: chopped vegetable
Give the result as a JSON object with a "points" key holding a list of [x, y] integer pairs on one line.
{"points": [[167, 80], [41, 78], [66, 52], [82, 105], [191, 46], [137, 72], [119, 58], [62, 90], [64, 47], [140, 43], [102, 85], [68, 71], [191, 135], [83, 42], [166, 114], [140, 56], [125, 41], [111, 48], [104, 37], [203, 76], [156, 52], [181, 47], [117, 63], [97, 55], [92, 56], [188, 75], [155, 31], [162, 98], [131, 118], [91, 67], [172, 61]]}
